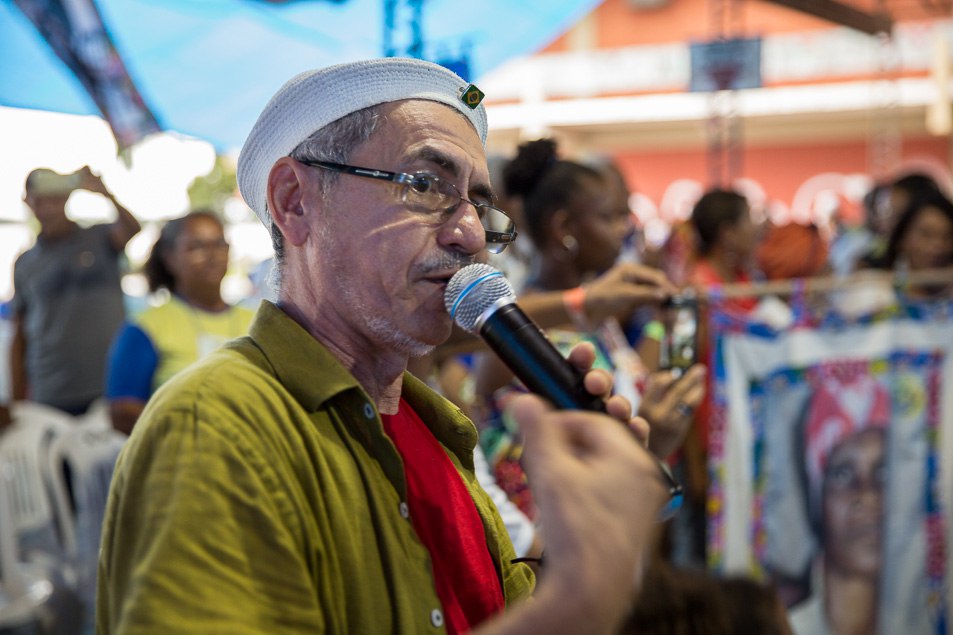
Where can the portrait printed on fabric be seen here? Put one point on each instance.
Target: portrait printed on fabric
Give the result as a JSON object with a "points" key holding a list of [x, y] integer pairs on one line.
{"points": [[846, 517]]}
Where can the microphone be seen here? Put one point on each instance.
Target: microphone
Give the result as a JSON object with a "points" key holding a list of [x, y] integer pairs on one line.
{"points": [[481, 301]]}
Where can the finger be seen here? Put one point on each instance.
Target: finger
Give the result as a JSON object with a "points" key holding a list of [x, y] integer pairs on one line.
{"points": [[649, 275], [619, 408], [543, 427], [657, 385], [690, 389], [583, 356], [592, 433], [599, 382], [696, 373], [528, 411], [695, 396], [642, 294], [687, 394], [641, 429], [548, 433]]}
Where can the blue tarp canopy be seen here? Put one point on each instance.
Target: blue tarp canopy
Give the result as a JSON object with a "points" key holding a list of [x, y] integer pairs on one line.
{"points": [[207, 67]]}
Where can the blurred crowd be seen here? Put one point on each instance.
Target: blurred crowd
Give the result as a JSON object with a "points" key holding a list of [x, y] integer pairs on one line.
{"points": [[582, 270]]}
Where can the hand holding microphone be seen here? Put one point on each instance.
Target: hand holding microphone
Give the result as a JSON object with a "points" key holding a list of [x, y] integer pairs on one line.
{"points": [[482, 301], [597, 491]]}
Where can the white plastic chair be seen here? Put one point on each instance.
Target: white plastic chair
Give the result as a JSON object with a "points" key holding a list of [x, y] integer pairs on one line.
{"points": [[88, 452], [22, 593], [35, 595], [24, 447], [96, 419], [97, 416]]}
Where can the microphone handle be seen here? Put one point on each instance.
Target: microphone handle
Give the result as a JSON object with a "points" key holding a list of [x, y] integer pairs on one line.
{"points": [[523, 347]]}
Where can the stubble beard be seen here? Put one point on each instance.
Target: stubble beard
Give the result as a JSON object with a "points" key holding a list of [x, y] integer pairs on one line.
{"points": [[380, 328]]}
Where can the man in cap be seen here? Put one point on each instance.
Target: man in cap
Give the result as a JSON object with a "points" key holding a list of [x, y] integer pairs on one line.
{"points": [[67, 302], [299, 480]]}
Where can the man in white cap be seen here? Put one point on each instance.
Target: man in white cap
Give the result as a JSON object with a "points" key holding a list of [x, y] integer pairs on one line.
{"points": [[67, 302], [299, 480]]}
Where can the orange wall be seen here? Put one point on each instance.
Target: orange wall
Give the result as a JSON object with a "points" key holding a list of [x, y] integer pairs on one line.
{"points": [[780, 170], [619, 24]]}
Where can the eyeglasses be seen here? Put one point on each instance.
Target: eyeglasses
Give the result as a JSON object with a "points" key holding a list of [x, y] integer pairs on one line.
{"points": [[205, 246], [429, 193]]}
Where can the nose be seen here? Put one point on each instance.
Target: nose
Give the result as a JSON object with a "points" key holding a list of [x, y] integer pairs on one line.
{"points": [[463, 230], [867, 495]]}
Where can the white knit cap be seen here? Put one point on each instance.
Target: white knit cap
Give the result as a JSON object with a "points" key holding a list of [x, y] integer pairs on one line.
{"points": [[313, 99]]}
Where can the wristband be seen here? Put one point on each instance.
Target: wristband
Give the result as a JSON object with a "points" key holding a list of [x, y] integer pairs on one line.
{"points": [[654, 331], [574, 300]]}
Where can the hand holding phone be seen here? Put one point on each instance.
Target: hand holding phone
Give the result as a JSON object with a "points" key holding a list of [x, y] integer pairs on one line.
{"points": [[679, 349]]}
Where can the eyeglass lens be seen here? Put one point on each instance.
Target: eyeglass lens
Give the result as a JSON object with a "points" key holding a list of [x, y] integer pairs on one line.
{"points": [[429, 191]]}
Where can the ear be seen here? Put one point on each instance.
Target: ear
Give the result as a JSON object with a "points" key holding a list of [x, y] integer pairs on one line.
{"points": [[560, 226], [286, 185]]}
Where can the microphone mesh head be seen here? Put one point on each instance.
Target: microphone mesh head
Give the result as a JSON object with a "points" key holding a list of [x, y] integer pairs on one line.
{"points": [[473, 290]]}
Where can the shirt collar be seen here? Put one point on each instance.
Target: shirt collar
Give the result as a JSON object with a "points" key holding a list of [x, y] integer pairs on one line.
{"points": [[313, 375], [302, 364]]}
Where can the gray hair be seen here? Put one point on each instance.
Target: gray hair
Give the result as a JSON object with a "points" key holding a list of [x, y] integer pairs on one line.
{"points": [[334, 142]]}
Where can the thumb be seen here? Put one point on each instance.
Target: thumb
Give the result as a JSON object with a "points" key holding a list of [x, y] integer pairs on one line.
{"points": [[529, 411]]}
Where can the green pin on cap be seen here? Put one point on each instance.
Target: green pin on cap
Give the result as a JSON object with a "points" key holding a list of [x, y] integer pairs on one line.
{"points": [[472, 96]]}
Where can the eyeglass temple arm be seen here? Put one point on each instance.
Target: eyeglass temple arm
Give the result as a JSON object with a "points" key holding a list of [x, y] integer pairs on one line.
{"points": [[357, 171]]}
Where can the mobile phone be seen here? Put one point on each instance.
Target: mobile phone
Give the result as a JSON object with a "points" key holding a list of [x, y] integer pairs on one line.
{"points": [[679, 349], [49, 182]]}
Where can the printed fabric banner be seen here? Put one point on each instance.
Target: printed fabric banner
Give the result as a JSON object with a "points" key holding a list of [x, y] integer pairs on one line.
{"points": [[831, 448], [74, 30]]}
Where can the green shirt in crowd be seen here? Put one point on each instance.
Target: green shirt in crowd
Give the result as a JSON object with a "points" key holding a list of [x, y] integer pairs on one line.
{"points": [[259, 493]]}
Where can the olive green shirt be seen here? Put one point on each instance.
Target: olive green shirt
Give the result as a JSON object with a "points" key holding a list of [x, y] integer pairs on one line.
{"points": [[259, 493]]}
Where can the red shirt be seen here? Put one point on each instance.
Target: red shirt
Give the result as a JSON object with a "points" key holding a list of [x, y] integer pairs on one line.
{"points": [[447, 523], [705, 276]]}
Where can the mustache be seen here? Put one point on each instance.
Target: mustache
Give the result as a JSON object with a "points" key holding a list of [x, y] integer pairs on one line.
{"points": [[443, 262]]}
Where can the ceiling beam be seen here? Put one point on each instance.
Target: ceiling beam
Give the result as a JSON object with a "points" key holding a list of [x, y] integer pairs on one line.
{"points": [[840, 13]]}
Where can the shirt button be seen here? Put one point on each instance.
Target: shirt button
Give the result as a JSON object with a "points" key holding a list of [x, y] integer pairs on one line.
{"points": [[436, 618], [404, 510], [368, 411]]}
